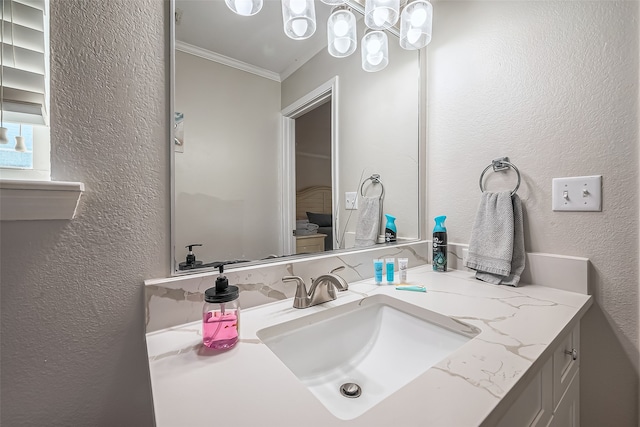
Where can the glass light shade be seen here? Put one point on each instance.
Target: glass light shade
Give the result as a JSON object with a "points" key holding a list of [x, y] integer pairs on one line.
{"points": [[341, 33], [381, 14], [244, 7], [415, 25], [3, 135], [375, 51], [299, 17], [334, 2]]}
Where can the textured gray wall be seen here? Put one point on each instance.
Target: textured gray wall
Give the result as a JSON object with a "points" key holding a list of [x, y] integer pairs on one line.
{"points": [[72, 330], [554, 86]]}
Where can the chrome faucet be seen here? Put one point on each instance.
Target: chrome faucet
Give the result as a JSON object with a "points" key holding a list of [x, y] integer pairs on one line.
{"points": [[323, 289]]}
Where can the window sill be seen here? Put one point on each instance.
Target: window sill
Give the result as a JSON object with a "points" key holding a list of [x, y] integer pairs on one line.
{"points": [[39, 200]]}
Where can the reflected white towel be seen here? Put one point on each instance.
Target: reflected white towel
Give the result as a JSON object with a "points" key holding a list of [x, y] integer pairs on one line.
{"points": [[306, 228], [368, 222]]}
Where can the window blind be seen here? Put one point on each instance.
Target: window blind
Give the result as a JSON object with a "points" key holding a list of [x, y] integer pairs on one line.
{"points": [[23, 58]]}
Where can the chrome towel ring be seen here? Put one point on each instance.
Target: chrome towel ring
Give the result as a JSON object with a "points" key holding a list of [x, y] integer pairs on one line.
{"points": [[375, 178], [500, 165]]}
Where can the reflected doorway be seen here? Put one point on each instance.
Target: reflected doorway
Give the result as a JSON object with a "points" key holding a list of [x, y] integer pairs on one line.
{"points": [[309, 172], [313, 198]]}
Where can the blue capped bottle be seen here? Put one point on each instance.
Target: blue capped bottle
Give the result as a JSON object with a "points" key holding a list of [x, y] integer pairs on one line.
{"points": [[390, 231], [440, 245]]}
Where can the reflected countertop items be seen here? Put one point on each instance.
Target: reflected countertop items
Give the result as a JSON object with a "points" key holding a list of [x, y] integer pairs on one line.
{"points": [[518, 329]]}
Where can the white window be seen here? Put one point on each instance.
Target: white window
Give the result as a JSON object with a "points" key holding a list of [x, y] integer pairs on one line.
{"points": [[26, 189], [24, 89]]}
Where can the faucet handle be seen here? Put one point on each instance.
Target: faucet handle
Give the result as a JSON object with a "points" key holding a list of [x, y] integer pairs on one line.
{"points": [[301, 291], [301, 286], [343, 282]]}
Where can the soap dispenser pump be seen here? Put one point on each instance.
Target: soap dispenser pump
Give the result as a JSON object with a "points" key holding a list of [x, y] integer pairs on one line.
{"points": [[221, 315], [191, 261]]}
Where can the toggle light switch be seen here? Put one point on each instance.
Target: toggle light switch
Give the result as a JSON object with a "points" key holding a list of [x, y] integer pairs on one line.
{"points": [[351, 200], [581, 193]]}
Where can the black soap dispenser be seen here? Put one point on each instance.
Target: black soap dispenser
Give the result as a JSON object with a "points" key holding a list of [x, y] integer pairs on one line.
{"points": [[191, 261], [221, 315]]}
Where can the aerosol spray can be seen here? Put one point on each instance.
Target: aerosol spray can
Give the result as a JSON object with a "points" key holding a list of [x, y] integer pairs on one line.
{"points": [[440, 245]]}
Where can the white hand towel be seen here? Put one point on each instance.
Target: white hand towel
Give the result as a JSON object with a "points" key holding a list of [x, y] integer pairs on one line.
{"points": [[368, 222], [496, 247]]}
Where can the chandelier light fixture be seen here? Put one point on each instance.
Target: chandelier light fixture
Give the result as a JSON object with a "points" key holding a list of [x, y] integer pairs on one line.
{"points": [[341, 32], [244, 7], [299, 19], [375, 50], [415, 25], [381, 14]]}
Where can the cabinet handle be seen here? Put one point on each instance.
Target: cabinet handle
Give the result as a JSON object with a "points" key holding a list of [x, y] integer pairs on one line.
{"points": [[573, 353]]}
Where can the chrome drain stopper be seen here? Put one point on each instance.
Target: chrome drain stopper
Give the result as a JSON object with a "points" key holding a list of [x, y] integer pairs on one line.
{"points": [[351, 390]]}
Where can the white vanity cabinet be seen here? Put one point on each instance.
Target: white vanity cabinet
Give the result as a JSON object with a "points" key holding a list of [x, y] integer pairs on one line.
{"points": [[552, 396], [490, 381]]}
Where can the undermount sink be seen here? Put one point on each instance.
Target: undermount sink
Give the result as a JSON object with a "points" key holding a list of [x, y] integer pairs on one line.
{"points": [[379, 343]]}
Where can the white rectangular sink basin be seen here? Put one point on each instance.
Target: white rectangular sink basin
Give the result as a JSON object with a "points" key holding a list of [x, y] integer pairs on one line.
{"points": [[379, 343]]}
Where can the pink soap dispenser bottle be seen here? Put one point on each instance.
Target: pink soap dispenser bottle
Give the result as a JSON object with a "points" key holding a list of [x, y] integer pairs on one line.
{"points": [[221, 315]]}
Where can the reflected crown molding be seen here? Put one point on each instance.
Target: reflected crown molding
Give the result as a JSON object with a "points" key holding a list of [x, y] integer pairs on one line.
{"points": [[225, 60]]}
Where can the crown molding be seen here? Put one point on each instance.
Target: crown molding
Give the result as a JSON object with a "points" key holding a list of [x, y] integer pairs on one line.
{"points": [[225, 60]]}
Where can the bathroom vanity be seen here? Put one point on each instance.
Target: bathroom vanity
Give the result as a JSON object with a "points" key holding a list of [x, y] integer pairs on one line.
{"points": [[517, 364]]}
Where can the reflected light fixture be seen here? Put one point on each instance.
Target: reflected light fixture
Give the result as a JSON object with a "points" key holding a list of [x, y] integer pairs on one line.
{"points": [[244, 7], [415, 25], [299, 17], [341, 32], [375, 50], [381, 14]]}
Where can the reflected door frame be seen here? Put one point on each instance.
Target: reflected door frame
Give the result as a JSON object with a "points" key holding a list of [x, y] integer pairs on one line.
{"points": [[303, 105]]}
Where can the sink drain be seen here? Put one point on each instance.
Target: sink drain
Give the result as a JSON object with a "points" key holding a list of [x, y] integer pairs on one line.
{"points": [[351, 390]]}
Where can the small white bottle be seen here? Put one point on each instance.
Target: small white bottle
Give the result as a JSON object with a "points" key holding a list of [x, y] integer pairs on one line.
{"points": [[403, 264]]}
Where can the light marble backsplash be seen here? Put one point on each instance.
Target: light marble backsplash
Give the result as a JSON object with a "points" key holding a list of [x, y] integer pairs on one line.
{"points": [[178, 300]]}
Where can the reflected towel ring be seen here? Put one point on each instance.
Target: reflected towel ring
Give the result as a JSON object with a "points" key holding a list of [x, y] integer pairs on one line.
{"points": [[375, 178], [499, 165]]}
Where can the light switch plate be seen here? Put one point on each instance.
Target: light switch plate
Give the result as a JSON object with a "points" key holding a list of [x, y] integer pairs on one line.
{"points": [[578, 193], [351, 200]]}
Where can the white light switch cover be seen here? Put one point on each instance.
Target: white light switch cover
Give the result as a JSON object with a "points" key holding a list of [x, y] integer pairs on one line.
{"points": [[351, 200], [579, 193]]}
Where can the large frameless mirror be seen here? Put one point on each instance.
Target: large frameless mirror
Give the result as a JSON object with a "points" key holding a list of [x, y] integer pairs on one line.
{"points": [[281, 149]]}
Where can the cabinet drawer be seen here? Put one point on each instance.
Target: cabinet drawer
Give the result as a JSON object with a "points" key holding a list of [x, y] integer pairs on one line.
{"points": [[310, 244], [533, 406], [551, 397], [567, 413], [566, 361]]}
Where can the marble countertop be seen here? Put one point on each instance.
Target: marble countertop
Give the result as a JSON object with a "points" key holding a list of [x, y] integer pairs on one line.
{"points": [[250, 386]]}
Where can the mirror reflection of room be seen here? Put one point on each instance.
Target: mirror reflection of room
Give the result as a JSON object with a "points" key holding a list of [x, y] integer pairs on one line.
{"points": [[231, 88]]}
